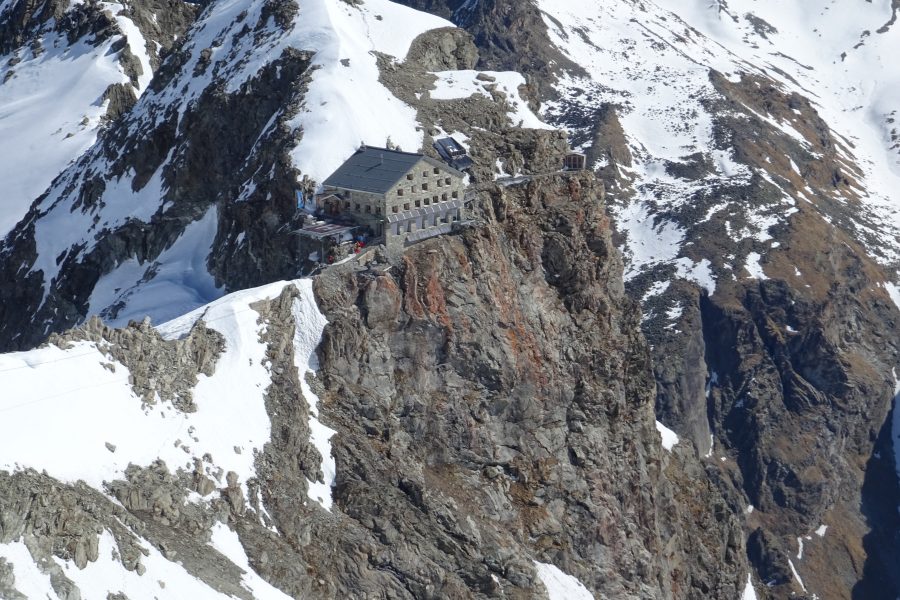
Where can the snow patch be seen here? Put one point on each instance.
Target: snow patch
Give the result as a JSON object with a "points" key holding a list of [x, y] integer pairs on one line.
{"points": [[309, 325], [700, 273], [561, 586], [821, 530], [464, 84], [29, 579], [108, 576], [669, 437], [136, 44], [749, 592], [894, 292], [229, 544], [754, 267], [796, 575]]}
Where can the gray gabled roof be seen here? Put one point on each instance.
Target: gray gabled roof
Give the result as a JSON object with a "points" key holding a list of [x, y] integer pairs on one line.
{"points": [[376, 170]]}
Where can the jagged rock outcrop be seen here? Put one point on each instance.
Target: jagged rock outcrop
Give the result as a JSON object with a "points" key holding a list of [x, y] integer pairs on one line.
{"points": [[502, 371]]}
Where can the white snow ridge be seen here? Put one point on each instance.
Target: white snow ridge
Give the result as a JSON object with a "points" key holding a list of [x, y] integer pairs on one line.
{"points": [[72, 413]]}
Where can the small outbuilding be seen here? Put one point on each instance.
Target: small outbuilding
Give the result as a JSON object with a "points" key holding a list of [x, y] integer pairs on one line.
{"points": [[454, 153], [574, 161]]}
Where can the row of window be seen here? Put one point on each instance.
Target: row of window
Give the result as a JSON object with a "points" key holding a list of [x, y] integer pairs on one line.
{"points": [[413, 189], [426, 201], [418, 204], [434, 222], [437, 171]]}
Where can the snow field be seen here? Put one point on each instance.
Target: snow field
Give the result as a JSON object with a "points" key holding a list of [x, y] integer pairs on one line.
{"points": [[180, 281], [841, 57], [49, 115], [95, 405], [345, 105], [653, 62]]}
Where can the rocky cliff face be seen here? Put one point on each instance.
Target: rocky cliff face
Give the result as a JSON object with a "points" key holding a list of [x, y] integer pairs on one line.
{"points": [[492, 399], [557, 449], [768, 320]]}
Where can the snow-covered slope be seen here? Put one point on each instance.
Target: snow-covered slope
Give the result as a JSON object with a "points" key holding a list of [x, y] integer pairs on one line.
{"points": [[52, 105], [652, 60], [154, 166], [86, 423]]}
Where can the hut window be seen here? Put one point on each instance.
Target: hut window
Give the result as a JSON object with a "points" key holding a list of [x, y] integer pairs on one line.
{"points": [[413, 189], [427, 201], [444, 197], [455, 194], [418, 204], [436, 171], [447, 181], [396, 209], [400, 192], [357, 207], [406, 206], [409, 176], [425, 186]]}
